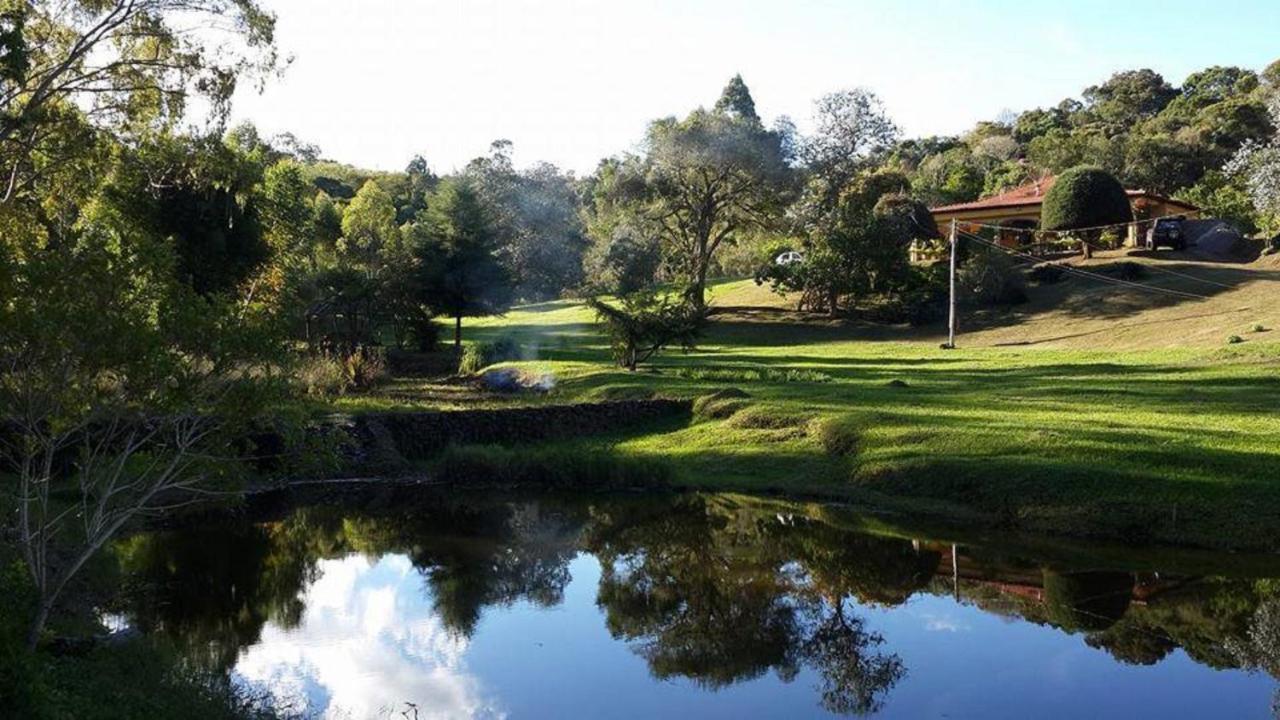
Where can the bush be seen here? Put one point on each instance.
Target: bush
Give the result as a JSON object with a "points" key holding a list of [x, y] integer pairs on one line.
{"points": [[1085, 197], [646, 323], [1126, 270], [720, 404], [1258, 327], [365, 367], [1046, 273], [990, 277], [321, 375], [477, 356], [1234, 340], [330, 374], [837, 435]]}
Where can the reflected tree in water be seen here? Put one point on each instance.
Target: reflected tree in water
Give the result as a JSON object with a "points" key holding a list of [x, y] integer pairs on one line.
{"points": [[724, 599]]}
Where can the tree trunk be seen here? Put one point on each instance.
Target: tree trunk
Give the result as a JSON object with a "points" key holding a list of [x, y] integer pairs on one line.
{"points": [[37, 626], [457, 332]]}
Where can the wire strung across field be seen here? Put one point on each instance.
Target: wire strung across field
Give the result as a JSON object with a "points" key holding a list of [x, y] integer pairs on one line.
{"points": [[974, 223], [1156, 268], [1085, 273]]}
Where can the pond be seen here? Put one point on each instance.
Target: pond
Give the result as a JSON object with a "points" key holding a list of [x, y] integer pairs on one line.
{"points": [[431, 605]]}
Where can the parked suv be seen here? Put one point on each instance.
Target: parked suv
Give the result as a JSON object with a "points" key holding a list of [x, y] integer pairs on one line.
{"points": [[1167, 232]]}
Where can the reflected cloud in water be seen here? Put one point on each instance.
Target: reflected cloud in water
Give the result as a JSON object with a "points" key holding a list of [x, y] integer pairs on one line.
{"points": [[369, 644]]}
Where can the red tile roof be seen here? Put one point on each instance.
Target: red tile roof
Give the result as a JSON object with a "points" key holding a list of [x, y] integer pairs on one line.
{"points": [[1033, 194], [1030, 194]]}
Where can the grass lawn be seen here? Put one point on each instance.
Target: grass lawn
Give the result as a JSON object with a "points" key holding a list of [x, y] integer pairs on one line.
{"points": [[1162, 439]]}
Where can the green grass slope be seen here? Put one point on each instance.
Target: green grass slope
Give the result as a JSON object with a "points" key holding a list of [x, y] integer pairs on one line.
{"points": [[1134, 419]]}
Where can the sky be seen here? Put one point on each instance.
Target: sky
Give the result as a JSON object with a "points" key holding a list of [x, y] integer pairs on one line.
{"points": [[375, 82]]}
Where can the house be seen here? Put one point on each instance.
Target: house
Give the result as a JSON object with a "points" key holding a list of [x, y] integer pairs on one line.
{"points": [[1019, 210]]}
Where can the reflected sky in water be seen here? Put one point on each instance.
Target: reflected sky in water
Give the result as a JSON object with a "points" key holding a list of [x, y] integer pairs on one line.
{"points": [[701, 609]]}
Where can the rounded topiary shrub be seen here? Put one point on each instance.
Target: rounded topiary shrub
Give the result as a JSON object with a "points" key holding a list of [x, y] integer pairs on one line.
{"points": [[1085, 197]]}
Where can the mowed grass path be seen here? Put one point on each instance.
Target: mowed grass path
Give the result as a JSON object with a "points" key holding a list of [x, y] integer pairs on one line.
{"points": [[1168, 444]]}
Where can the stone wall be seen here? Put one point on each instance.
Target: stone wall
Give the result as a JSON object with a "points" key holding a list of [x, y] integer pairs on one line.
{"points": [[421, 434]]}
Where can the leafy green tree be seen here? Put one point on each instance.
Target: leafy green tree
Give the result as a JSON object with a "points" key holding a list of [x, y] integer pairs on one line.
{"points": [[370, 234], [1224, 197], [1162, 164], [736, 101], [287, 213], [119, 64], [1127, 99], [536, 217], [707, 178], [646, 323], [459, 274]]}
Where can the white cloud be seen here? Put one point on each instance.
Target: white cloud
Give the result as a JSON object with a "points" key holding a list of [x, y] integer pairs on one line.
{"points": [[368, 643]]}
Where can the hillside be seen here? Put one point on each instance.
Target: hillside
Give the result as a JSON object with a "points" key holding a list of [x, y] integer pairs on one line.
{"points": [[1082, 313], [1087, 411]]}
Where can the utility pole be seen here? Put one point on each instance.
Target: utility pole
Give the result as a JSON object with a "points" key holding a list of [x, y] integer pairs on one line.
{"points": [[951, 318]]}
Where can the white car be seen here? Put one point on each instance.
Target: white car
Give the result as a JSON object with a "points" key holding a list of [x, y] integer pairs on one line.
{"points": [[789, 257]]}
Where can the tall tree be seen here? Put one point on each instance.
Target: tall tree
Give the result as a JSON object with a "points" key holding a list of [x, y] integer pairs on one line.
{"points": [[369, 230], [458, 273], [736, 101], [707, 178]]}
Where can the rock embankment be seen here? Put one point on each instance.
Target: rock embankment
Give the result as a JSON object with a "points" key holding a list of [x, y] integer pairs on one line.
{"points": [[388, 440]]}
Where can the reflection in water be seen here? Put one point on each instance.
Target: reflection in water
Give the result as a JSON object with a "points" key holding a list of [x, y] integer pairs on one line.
{"points": [[366, 641], [362, 611]]}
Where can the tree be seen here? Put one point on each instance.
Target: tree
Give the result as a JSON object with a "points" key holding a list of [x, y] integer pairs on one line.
{"points": [[458, 273], [851, 127], [646, 323], [736, 101], [707, 178], [1127, 99], [117, 63], [1085, 197], [859, 249], [119, 389], [1257, 164], [287, 212], [369, 230], [536, 220]]}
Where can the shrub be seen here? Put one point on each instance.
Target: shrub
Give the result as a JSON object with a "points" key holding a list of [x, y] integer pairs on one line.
{"points": [[1127, 270], [720, 404], [471, 360], [1234, 340], [1258, 327], [1085, 197], [837, 435], [1046, 273], [365, 367], [477, 356], [321, 375], [990, 277], [645, 323]]}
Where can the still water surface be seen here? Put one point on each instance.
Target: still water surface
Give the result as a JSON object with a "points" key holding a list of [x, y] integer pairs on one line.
{"points": [[699, 606]]}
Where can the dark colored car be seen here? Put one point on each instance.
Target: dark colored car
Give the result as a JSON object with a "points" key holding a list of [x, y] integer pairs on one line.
{"points": [[1167, 232]]}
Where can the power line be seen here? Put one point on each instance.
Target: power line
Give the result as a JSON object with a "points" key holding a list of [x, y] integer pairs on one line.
{"points": [[1097, 247], [1084, 273], [974, 223]]}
